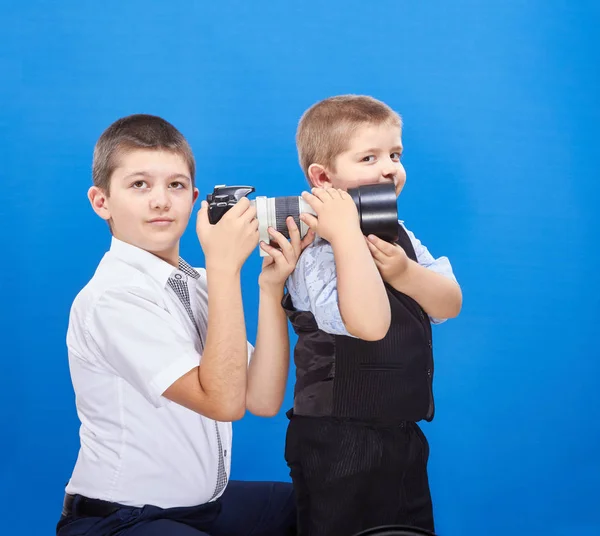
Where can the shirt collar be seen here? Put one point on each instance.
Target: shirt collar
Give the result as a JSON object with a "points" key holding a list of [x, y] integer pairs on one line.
{"points": [[187, 269], [149, 263]]}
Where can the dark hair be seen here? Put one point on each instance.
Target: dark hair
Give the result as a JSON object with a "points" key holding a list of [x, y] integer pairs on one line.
{"points": [[138, 131]]}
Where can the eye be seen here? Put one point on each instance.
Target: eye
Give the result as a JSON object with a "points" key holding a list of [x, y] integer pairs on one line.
{"points": [[138, 185], [176, 185], [370, 158], [396, 156]]}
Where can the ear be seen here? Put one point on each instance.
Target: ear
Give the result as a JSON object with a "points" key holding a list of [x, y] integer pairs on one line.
{"points": [[318, 176], [196, 193], [98, 200]]}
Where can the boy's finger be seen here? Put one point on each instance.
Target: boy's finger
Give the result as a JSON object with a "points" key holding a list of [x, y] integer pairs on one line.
{"points": [[378, 257], [310, 220], [332, 192], [381, 245], [376, 253], [281, 241], [308, 238], [250, 214], [292, 227], [378, 264], [313, 201], [202, 217], [294, 233], [267, 261], [322, 193], [274, 253], [337, 193], [289, 253], [239, 208]]}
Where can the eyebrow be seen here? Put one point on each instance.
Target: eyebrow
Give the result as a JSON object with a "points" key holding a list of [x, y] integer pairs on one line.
{"points": [[174, 176], [395, 149]]}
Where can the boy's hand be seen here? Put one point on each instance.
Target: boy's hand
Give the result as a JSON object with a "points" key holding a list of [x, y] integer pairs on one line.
{"points": [[228, 243], [281, 261], [337, 215], [391, 260]]}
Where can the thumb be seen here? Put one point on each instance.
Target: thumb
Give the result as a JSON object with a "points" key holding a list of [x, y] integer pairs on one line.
{"points": [[383, 246], [202, 218]]}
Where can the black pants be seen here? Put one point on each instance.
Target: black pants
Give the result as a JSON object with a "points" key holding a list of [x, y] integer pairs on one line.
{"points": [[352, 476], [244, 509]]}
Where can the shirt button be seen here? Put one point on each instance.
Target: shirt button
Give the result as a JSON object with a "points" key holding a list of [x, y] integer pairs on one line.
{"points": [[178, 276], [225, 454]]}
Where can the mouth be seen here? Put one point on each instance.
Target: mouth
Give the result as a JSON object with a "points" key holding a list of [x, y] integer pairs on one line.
{"points": [[160, 221]]}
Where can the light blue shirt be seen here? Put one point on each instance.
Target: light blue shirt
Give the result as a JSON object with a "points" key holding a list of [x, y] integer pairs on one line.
{"points": [[313, 284]]}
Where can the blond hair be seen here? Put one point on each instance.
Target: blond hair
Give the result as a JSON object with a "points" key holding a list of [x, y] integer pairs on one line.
{"points": [[325, 129]]}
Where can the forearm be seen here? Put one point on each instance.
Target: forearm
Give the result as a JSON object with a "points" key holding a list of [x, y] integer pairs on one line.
{"points": [[268, 372], [438, 295], [223, 370], [362, 297]]}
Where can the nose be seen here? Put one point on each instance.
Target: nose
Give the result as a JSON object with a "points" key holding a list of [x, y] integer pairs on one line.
{"points": [[389, 169], [160, 199]]}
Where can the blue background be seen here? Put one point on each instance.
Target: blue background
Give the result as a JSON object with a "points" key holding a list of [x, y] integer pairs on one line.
{"points": [[500, 101]]}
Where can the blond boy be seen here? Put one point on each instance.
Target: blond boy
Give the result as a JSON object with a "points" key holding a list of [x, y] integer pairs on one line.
{"points": [[362, 309]]}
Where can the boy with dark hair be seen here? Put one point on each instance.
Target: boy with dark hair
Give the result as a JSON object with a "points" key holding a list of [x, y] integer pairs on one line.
{"points": [[159, 356]]}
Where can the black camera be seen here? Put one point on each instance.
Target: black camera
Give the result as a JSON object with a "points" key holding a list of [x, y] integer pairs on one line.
{"points": [[223, 198], [376, 204]]}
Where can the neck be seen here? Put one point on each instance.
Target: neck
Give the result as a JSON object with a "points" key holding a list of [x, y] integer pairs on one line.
{"points": [[170, 255]]}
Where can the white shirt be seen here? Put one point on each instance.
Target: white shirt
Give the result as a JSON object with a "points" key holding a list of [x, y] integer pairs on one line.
{"points": [[129, 338]]}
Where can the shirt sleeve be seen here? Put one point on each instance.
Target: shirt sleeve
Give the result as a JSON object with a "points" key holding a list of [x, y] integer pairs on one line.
{"points": [[141, 341], [313, 287], [313, 283], [440, 265]]}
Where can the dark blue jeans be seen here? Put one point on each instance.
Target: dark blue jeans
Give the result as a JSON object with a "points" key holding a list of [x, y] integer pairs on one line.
{"points": [[244, 509]]}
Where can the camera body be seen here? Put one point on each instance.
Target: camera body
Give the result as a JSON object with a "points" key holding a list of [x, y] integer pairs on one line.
{"points": [[376, 204], [223, 198]]}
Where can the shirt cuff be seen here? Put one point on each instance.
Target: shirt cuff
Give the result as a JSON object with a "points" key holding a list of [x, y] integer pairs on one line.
{"points": [[165, 378]]}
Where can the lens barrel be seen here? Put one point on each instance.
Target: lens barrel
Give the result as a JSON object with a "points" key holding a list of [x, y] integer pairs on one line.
{"points": [[377, 209], [376, 205]]}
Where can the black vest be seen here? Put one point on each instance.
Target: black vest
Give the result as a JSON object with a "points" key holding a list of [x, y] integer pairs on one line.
{"points": [[384, 381]]}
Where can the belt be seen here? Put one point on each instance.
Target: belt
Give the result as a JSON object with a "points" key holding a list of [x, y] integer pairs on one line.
{"points": [[85, 507]]}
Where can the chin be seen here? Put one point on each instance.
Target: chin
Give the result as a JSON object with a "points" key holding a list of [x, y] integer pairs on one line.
{"points": [[156, 244], [164, 245]]}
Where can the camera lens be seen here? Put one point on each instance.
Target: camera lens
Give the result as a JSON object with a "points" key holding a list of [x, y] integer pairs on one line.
{"points": [[377, 209], [376, 204], [273, 212]]}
